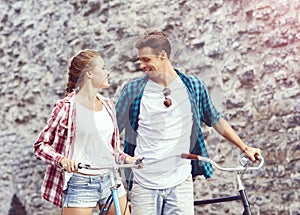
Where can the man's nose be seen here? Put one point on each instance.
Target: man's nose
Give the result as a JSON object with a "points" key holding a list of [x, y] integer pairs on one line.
{"points": [[142, 65]]}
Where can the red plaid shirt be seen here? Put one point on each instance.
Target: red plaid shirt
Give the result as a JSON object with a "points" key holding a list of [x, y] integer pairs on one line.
{"points": [[55, 140]]}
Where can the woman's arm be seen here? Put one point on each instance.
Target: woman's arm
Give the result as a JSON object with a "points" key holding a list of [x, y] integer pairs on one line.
{"points": [[43, 148]]}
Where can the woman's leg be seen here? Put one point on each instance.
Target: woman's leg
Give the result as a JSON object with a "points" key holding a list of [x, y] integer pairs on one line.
{"points": [[77, 211], [124, 205]]}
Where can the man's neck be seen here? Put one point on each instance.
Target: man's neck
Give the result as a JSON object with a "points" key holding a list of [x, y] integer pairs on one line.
{"points": [[167, 76]]}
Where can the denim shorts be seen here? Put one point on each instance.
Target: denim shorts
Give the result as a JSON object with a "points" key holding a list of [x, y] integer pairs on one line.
{"points": [[89, 191]]}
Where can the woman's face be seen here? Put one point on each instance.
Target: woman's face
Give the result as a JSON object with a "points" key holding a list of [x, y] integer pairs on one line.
{"points": [[99, 74]]}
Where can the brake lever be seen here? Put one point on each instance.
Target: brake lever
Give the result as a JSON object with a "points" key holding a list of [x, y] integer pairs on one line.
{"points": [[139, 161]]}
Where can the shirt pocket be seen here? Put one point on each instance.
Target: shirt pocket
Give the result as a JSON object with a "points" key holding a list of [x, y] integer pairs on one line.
{"points": [[62, 128]]}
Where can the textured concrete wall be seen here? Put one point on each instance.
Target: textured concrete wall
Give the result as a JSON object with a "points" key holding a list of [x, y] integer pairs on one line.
{"points": [[247, 52]]}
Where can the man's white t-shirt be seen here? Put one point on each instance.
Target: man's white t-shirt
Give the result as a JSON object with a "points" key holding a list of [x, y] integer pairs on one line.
{"points": [[163, 134]]}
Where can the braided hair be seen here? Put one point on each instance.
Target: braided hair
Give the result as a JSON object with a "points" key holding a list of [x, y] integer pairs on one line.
{"points": [[77, 68]]}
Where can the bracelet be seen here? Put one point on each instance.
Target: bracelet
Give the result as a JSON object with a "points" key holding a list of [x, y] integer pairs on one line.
{"points": [[245, 149]]}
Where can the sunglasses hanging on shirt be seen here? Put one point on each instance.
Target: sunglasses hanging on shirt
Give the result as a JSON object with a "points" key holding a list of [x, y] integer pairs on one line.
{"points": [[167, 101]]}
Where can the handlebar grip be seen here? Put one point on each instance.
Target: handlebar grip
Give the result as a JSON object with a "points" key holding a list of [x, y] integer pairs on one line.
{"points": [[258, 157], [190, 156]]}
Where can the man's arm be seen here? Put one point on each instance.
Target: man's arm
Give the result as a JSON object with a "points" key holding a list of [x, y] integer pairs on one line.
{"points": [[224, 129]]}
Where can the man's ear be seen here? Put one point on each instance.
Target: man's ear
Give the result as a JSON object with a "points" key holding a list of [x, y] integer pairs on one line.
{"points": [[163, 55]]}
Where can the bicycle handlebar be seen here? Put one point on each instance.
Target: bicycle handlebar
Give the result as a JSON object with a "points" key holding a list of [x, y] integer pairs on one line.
{"points": [[217, 166], [138, 164]]}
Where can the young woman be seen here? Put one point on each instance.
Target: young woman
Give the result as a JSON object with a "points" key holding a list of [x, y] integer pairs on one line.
{"points": [[82, 128]]}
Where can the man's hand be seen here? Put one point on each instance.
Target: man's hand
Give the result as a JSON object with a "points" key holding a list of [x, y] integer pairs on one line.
{"points": [[252, 153]]}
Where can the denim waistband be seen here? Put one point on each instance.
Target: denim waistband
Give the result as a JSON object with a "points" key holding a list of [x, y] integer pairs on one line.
{"points": [[91, 177]]}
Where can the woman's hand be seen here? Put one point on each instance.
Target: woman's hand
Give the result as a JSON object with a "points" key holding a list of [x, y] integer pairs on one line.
{"points": [[134, 160], [68, 165]]}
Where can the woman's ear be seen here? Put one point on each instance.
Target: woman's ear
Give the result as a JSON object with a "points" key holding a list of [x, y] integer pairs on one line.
{"points": [[89, 74]]}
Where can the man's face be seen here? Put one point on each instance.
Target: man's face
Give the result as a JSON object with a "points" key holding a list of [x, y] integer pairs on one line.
{"points": [[150, 63]]}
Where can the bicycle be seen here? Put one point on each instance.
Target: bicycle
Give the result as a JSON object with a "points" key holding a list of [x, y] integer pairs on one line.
{"points": [[113, 197], [244, 162]]}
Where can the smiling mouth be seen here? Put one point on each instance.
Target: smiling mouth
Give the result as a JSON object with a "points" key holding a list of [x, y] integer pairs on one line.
{"points": [[148, 71]]}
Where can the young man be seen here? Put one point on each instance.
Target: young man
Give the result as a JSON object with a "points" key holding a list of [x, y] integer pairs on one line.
{"points": [[162, 115]]}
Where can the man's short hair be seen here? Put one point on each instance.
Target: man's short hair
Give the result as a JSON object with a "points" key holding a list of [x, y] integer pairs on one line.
{"points": [[156, 40]]}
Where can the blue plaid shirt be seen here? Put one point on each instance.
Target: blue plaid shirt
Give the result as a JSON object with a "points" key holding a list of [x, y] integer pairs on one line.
{"points": [[128, 109]]}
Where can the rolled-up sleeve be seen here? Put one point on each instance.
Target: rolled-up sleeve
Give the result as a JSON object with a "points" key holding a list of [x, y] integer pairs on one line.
{"points": [[43, 146]]}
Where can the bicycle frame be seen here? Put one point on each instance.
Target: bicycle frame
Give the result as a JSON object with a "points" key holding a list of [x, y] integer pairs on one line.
{"points": [[241, 189], [113, 197], [241, 197]]}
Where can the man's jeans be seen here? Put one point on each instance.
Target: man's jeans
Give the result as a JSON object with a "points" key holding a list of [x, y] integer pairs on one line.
{"points": [[172, 201]]}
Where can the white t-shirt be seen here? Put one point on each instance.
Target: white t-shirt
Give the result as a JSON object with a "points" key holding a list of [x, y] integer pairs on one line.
{"points": [[163, 134], [92, 142]]}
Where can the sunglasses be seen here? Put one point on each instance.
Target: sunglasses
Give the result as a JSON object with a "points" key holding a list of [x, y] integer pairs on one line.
{"points": [[167, 101]]}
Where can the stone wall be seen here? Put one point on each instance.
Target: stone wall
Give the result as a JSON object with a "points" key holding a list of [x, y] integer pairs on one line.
{"points": [[247, 52]]}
